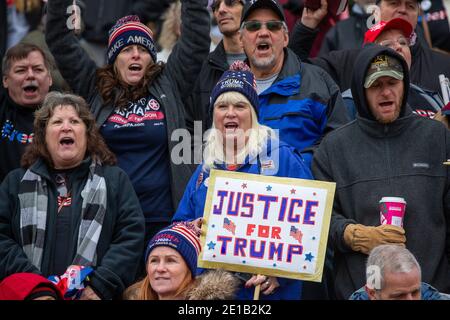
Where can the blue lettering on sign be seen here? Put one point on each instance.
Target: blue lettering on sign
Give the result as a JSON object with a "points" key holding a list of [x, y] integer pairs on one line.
{"points": [[309, 214], [224, 240], [218, 209], [259, 254], [235, 211], [267, 200], [294, 218], [278, 250]]}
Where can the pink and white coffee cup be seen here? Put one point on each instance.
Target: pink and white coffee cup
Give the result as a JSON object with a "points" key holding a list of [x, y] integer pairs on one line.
{"points": [[392, 210]]}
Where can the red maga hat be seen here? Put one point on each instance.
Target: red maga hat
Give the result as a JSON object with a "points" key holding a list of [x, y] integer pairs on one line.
{"points": [[397, 23]]}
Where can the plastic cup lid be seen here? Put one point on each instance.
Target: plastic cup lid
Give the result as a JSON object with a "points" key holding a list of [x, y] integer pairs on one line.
{"points": [[393, 199]]}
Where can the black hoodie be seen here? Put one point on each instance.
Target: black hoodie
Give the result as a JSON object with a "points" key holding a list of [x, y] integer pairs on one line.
{"points": [[363, 62], [369, 160]]}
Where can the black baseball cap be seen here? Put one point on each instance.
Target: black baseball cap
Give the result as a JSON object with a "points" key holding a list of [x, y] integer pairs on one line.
{"points": [[252, 5]]}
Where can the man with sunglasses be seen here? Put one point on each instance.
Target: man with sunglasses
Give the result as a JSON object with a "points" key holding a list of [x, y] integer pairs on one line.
{"points": [[397, 34], [299, 100], [227, 14], [426, 64]]}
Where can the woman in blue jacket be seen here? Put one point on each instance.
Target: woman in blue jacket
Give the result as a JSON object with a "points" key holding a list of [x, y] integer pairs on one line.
{"points": [[237, 142]]}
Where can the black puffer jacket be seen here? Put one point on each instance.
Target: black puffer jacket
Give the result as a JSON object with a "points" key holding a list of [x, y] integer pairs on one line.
{"points": [[369, 160], [171, 87]]}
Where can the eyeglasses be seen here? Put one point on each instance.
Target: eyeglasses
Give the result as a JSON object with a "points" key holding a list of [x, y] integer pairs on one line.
{"points": [[253, 26], [229, 3], [403, 42]]}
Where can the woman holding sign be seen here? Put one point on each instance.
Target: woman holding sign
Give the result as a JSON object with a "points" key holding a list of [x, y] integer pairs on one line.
{"points": [[237, 142]]}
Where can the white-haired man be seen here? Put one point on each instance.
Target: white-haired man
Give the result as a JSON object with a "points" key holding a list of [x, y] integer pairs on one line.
{"points": [[393, 273]]}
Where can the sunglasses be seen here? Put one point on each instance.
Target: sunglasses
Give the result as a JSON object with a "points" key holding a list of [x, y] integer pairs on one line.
{"points": [[229, 3], [270, 25]]}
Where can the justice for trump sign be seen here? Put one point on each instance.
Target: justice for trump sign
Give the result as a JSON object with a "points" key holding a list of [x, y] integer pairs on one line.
{"points": [[266, 225]]}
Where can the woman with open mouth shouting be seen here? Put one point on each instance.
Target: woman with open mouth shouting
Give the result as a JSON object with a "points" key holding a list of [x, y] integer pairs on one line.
{"points": [[69, 205], [138, 102], [237, 142]]}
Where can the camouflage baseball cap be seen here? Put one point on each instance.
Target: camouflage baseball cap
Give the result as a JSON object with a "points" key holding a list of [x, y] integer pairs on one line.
{"points": [[382, 66]]}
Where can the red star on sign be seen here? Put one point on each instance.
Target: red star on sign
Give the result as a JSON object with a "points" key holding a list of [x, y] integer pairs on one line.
{"points": [[244, 185], [293, 191]]}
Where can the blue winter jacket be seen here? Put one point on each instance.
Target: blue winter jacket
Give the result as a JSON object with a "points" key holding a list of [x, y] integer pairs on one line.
{"points": [[288, 164], [303, 103]]}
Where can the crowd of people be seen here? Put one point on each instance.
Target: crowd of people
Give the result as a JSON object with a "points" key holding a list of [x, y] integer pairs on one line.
{"points": [[103, 122]]}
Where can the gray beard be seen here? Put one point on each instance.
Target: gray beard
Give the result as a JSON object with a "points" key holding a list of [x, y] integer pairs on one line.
{"points": [[265, 63]]}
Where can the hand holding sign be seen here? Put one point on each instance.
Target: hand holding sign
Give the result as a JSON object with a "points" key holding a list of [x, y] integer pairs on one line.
{"points": [[197, 223], [268, 284], [266, 225]]}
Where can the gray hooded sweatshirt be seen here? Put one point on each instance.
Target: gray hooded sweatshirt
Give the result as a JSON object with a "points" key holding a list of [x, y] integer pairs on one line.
{"points": [[369, 160]]}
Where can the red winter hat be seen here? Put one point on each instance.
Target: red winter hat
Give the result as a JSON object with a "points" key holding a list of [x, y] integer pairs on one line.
{"points": [[24, 286], [398, 23]]}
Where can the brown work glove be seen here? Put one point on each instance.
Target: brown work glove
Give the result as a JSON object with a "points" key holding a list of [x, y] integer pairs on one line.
{"points": [[364, 238]]}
